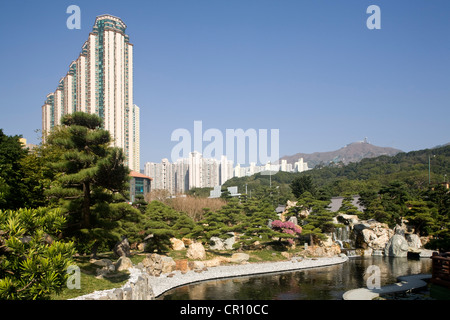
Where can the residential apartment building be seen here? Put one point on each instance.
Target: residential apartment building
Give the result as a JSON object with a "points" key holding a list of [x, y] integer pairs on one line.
{"points": [[100, 81]]}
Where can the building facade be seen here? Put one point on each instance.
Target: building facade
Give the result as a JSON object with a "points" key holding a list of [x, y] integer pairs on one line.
{"points": [[140, 185], [100, 81]]}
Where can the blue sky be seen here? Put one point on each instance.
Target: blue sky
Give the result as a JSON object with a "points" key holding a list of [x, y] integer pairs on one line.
{"points": [[310, 68]]}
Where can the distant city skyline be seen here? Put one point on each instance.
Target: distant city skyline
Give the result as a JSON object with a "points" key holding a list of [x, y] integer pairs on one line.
{"points": [[196, 171], [311, 69]]}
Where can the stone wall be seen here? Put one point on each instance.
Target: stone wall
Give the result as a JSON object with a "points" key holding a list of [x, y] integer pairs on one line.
{"points": [[138, 288]]}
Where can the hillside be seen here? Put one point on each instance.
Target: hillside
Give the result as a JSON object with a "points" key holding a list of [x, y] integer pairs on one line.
{"points": [[352, 152], [369, 173]]}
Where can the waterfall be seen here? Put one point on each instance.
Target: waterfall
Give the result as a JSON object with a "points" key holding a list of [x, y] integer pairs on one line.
{"points": [[343, 237]]}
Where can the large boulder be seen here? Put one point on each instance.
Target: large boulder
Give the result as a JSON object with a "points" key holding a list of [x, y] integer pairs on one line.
{"points": [[413, 241], [156, 264], [217, 243], [397, 246], [177, 244], [123, 263], [196, 251]]}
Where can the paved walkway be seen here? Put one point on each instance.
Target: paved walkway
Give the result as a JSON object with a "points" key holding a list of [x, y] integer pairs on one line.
{"points": [[405, 283]]}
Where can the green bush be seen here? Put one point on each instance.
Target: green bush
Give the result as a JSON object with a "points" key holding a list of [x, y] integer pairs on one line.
{"points": [[32, 264]]}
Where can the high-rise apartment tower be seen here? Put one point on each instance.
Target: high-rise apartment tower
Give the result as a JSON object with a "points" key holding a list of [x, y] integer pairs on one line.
{"points": [[100, 81]]}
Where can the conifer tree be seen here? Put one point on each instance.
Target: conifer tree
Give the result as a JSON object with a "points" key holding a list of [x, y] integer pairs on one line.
{"points": [[256, 227], [92, 179]]}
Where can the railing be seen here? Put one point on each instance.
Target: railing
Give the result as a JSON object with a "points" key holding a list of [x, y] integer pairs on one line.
{"points": [[441, 269]]}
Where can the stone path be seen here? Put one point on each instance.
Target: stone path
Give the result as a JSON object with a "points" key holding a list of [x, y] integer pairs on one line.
{"points": [[405, 283]]}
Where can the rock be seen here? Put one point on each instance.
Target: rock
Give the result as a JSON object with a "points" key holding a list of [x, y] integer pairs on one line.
{"points": [[156, 264], [216, 244], [397, 246], [196, 265], [106, 268], [323, 251], [122, 248], [216, 261], [380, 242], [425, 253], [222, 244], [177, 244], [347, 219], [141, 246], [168, 264], [196, 251], [368, 235], [124, 263], [182, 265], [294, 220], [286, 254], [239, 258], [101, 262], [413, 241], [187, 242]]}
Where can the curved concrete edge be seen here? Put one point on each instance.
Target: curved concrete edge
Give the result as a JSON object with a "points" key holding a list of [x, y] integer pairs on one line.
{"points": [[405, 283], [162, 284]]}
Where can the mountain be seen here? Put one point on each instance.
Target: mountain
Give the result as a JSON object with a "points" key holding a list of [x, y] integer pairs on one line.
{"points": [[353, 152]]}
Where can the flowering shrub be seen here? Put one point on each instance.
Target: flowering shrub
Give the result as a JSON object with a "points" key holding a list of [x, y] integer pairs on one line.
{"points": [[287, 227]]}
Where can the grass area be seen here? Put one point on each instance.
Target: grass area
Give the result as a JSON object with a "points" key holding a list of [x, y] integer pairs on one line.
{"points": [[89, 283]]}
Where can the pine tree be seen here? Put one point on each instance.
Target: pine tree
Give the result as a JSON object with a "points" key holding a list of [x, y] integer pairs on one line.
{"points": [[162, 223], [347, 206], [91, 181], [319, 221], [255, 225]]}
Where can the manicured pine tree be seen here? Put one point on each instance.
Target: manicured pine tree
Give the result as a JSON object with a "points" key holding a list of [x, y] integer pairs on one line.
{"points": [[255, 226], [347, 206], [92, 180], [158, 226]]}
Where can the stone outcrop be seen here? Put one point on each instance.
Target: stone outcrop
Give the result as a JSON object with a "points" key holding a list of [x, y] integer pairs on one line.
{"points": [[371, 234], [123, 263], [196, 251], [217, 243], [323, 250], [177, 244], [396, 247], [370, 237], [156, 264]]}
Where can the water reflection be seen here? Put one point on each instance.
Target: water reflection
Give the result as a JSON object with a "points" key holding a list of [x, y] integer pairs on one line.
{"points": [[325, 283]]}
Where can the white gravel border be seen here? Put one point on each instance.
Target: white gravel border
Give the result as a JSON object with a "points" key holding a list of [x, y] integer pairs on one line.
{"points": [[163, 283]]}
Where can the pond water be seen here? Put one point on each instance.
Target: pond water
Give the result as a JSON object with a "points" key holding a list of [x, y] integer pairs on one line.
{"points": [[324, 283]]}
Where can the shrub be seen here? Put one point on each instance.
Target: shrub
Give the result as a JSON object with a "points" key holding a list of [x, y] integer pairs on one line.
{"points": [[287, 230], [32, 264]]}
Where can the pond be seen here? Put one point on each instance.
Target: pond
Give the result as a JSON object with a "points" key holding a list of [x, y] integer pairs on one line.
{"points": [[324, 283]]}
